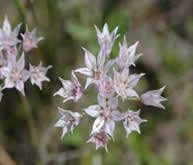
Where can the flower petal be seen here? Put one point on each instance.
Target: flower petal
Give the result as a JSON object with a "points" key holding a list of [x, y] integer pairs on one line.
{"points": [[125, 74], [109, 127], [60, 123], [64, 131], [66, 83], [98, 124], [93, 110], [90, 59], [133, 79], [113, 102], [8, 84], [20, 87], [60, 92], [6, 26], [131, 93], [108, 65], [85, 71], [101, 100], [88, 82], [118, 116], [21, 62]]}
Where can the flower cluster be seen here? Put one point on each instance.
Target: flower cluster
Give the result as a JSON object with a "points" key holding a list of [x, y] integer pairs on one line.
{"points": [[114, 84], [12, 59]]}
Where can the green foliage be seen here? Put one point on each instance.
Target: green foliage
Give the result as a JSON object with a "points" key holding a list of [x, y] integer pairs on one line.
{"points": [[173, 63], [75, 139]]}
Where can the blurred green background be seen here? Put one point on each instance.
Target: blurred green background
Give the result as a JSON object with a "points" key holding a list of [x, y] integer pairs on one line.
{"points": [[165, 31]]}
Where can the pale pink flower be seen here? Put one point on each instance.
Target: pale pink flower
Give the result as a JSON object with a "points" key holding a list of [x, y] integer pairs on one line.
{"points": [[100, 138], [7, 36], [127, 55], [125, 82], [153, 98], [105, 113], [71, 90], [68, 120], [106, 39], [106, 87], [132, 122], [38, 74], [15, 75], [30, 39], [95, 68]]}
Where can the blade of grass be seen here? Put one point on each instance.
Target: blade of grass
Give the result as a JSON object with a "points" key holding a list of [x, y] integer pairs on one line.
{"points": [[21, 10]]}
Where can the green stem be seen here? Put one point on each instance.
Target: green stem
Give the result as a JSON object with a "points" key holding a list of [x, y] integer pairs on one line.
{"points": [[21, 10], [30, 121]]}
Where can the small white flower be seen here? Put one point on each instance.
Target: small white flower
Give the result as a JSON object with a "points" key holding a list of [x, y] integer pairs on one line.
{"points": [[30, 40], [15, 75], [153, 98], [38, 74], [71, 90], [132, 122], [95, 68], [127, 56], [106, 39], [7, 36], [106, 87], [100, 138], [124, 83], [105, 113], [68, 121]]}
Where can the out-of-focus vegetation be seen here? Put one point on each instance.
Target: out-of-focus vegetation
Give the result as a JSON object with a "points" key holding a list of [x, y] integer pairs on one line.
{"points": [[165, 31]]}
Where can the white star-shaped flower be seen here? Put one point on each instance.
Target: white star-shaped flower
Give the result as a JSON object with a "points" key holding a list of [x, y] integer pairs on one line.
{"points": [[68, 120], [132, 122], [15, 74], [106, 87], [106, 39], [30, 39], [105, 113], [100, 138], [153, 98], [127, 55], [95, 68], [125, 82], [38, 74], [71, 90], [8, 37]]}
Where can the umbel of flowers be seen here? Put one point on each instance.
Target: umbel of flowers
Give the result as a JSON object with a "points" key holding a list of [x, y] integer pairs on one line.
{"points": [[12, 58], [114, 84]]}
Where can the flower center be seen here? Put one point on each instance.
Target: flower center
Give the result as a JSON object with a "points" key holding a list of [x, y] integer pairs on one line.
{"points": [[35, 73], [74, 91], [131, 119], [107, 112], [97, 74], [101, 137], [71, 123], [16, 76]]}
